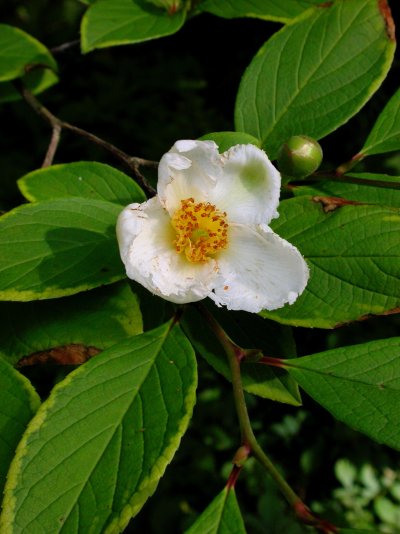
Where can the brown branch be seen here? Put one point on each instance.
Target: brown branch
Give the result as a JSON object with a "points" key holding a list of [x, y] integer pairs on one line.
{"points": [[53, 145], [65, 46], [133, 163]]}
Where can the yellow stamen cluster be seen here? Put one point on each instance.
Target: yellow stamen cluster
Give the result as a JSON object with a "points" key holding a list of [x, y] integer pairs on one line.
{"points": [[201, 230]]}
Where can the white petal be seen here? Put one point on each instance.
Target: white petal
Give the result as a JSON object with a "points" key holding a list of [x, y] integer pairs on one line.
{"points": [[146, 237], [259, 270], [189, 169], [249, 188]]}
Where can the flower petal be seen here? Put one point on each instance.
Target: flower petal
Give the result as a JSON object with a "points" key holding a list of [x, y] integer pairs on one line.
{"points": [[146, 240], [259, 270], [189, 169], [249, 187]]}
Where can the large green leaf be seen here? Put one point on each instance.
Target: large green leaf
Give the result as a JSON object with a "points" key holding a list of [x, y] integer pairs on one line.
{"points": [[18, 403], [316, 73], [260, 9], [385, 135], [368, 191], [84, 179], [353, 255], [248, 331], [19, 53], [222, 516], [98, 446], [359, 385], [118, 22], [98, 318], [18, 50], [56, 248]]}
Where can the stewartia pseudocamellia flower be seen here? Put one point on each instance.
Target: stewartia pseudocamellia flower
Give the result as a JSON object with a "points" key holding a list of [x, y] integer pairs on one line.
{"points": [[206, 232]]}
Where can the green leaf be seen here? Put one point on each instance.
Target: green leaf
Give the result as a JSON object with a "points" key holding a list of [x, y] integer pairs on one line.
{"points": [[98, 318], [120, 22], [56, 248], [359, 385], [385, 135], [98, 446], [226, 140], [352, 253], [19, 53], [18, 403], [367, 192], [248, 331], [314, 74], [18, 50], [36, 81], [222, 516], [85, 179], [260, 9]]}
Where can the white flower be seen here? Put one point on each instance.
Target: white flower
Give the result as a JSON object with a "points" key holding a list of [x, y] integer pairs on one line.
{"points": [[205, 234]]}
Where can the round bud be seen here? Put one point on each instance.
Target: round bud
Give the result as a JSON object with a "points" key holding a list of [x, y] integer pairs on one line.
{"points": [[300, 156]]}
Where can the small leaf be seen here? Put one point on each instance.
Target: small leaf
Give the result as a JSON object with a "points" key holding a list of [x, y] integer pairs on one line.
{"points": [[99, 445], [352, 253], [19, 54], [222, 516], [56, 248], [36, 81], [226, 140], [98, 318], [18, 50], [385, 135], [248, 331], [359, 385], [18, 403], [316, 73], [367, 192], [260, 9], [120, 22], [84, 179]]}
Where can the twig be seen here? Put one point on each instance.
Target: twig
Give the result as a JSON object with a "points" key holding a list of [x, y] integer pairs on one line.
{"points": [[345, 167], [235, 355], [132, 162], [65, 46], [53, 145]]}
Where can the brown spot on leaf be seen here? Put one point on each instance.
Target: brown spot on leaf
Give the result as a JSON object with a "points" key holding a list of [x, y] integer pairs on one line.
{"points": [[73, 354], [325, 4], [393, 311], [332, 203], [387, 16]]}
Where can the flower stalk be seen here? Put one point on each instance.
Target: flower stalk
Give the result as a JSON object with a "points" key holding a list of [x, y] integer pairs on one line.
{"points": [[249, 443]]}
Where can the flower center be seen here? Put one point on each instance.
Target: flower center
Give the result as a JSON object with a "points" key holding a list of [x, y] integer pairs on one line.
{"points": [[201, 230]]}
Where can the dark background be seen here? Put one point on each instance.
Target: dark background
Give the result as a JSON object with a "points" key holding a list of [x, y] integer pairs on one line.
{"points": [[142, 98]]}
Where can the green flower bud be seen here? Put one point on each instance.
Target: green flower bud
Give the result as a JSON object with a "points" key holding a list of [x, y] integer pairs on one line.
{"points": [[300, 156]]}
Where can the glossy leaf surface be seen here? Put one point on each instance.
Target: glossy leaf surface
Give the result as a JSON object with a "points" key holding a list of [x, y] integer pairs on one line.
{"points": [[85, 179], [56, 248], [99, 445], [314, 74], [120, 22], [18, 403], [222, 516], [359, 385], [98, 318], [353, 255]]}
